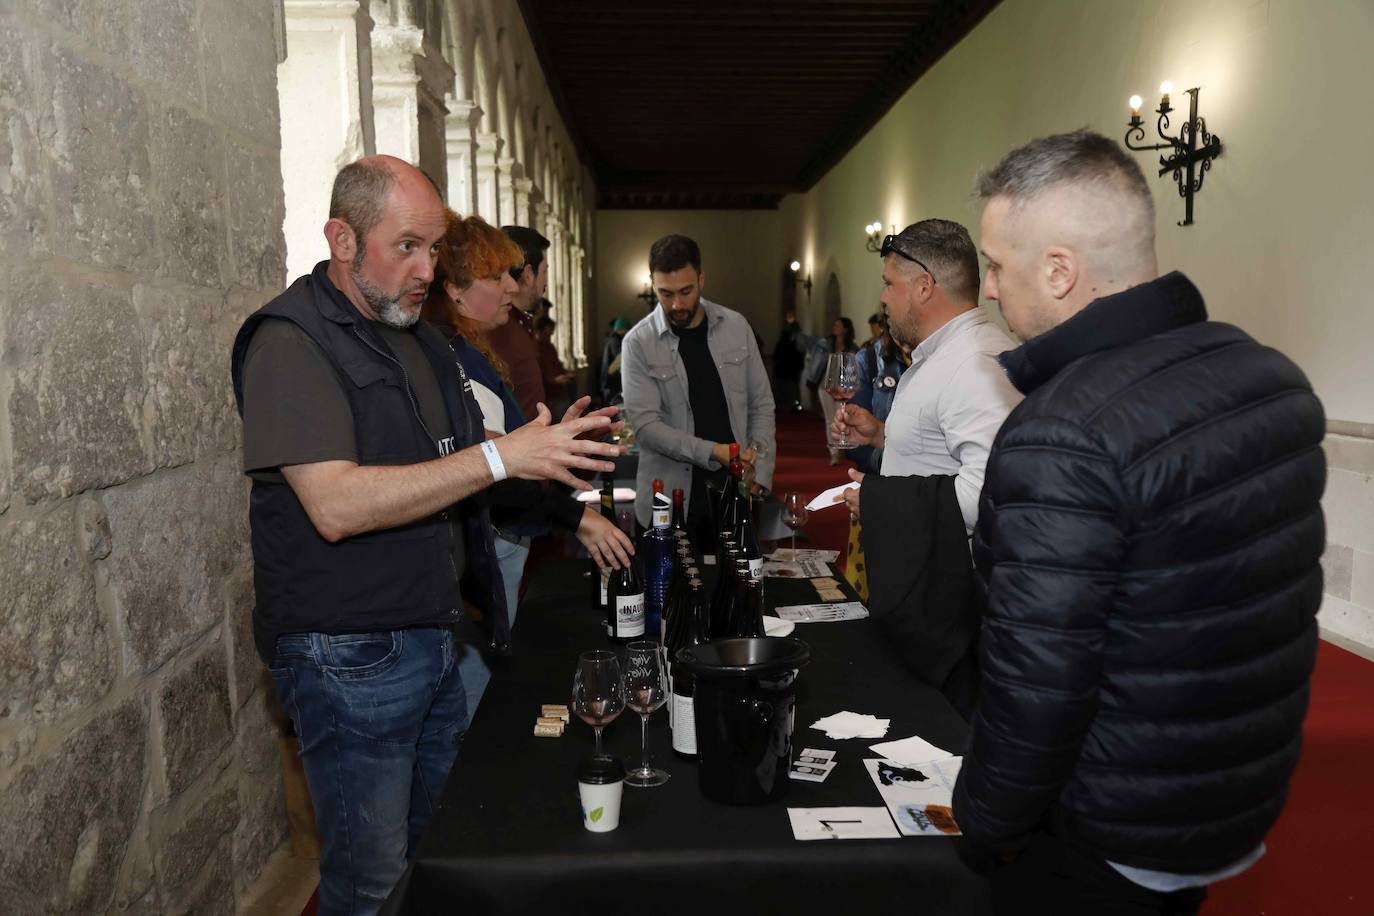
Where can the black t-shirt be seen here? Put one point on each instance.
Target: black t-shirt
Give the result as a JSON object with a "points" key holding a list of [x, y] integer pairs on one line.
{"points": [[295, 410], [710, 412]]}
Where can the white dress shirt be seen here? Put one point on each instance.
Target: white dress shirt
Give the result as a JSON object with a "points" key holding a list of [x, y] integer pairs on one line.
{"points": [[949, 406]]}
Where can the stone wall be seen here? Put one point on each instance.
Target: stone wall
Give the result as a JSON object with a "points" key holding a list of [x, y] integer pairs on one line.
{"points": [[140, 221]]}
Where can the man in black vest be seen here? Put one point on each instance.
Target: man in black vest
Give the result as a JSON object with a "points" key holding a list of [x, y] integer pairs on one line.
{"points": [[1149, 535], [369, 523]]}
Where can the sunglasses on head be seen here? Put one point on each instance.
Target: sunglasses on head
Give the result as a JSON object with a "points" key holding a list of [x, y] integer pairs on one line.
{"points": [[890, 247]]}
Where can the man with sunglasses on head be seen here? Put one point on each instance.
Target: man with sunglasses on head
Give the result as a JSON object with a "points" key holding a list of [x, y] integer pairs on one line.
{"points": [[947, 409]]}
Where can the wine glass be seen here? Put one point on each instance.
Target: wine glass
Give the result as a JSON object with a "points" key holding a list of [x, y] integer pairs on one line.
{"points": [[841, 383], [598, 693], [794, 515], [646, 689]]}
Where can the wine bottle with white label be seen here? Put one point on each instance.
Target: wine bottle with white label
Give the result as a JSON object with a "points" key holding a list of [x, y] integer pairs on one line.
{"points": [[625, 596], [684, 683], [745, 536]]}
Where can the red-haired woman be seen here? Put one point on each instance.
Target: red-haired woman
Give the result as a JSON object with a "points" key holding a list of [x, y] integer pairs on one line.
{"points": [[471, 294]]}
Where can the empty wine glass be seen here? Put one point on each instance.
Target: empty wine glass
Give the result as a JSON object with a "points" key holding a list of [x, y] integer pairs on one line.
{"points": [[598, 693], [646, 689], [841, 383], [794, 515]]}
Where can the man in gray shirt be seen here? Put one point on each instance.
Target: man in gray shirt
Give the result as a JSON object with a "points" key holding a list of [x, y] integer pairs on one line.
{"points": [[694, 382], [951, 402]]}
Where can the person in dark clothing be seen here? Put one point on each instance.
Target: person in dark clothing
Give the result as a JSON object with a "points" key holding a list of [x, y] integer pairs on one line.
{"points": [[611, 386], [370, 522], [1148, 535], [788, 361]]}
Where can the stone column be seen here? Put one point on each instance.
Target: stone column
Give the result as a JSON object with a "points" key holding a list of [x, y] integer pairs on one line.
{"points": [[408, 81], [325, 92], [539, 213], [522, 188], [577, 308], [488, 150], [507, 172], [460, 145]]}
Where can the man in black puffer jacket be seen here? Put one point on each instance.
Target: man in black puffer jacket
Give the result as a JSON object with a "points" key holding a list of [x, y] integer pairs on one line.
{"points": [[1148, 535]]}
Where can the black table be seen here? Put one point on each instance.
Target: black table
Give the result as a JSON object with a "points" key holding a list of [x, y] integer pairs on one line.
{"points": [[508, 836]]}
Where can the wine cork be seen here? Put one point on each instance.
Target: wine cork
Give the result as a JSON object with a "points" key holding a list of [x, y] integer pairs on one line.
{"points": [[556, 721], [554, 709], [548, 731]]}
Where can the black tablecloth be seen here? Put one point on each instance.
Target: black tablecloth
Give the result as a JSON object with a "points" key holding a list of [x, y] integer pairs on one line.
{"points": [[508, 835]]}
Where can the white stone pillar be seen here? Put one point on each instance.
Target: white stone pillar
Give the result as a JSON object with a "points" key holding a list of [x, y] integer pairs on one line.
{"points": [[324, 88], [577, 308], [539, 215], [522, 187], [507, 171], [396, 90], [460, 145], [488, 151]]}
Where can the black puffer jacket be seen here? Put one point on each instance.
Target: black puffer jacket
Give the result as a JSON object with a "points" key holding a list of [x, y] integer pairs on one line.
{"points": [[1149, 536]]}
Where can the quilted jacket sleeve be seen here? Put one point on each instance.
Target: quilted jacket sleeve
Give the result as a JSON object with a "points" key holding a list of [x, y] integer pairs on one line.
{"points": [[1052, 534]]}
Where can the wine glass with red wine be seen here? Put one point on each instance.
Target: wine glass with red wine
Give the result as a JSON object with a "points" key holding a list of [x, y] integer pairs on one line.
{"points": [[598, 693], [841, 383]]}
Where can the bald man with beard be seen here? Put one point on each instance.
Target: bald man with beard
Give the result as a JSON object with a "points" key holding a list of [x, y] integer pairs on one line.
{"points": [[1148, 536], [369, 522]]}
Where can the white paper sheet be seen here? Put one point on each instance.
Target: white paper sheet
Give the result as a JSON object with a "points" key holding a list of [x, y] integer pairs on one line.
{"points": [[910, 751], [841, 823], [832, 497], [919, 797], [787, 555]]}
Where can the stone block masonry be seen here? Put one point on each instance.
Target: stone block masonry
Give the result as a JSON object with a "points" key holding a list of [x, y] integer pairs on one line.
{"points": [[140, 221]]}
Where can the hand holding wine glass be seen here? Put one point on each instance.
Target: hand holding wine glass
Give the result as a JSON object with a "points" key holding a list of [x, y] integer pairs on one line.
{"points": [[794, 515], [858, 427], [841, 383], [646, 689], [598, 694]]}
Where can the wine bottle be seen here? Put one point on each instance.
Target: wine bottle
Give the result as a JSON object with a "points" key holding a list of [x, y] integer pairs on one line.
{"points": [[745, 535], [658, 549], [723, 602], [748, 609], [680, 513], [601, 575], [684, 683], [625, 596]]}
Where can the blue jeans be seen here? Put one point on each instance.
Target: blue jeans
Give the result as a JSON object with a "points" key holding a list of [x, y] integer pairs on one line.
{"points": [[379, 716], [472, 667]]}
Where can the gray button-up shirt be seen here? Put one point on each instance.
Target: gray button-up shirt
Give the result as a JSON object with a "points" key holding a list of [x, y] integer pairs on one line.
{"points": [[949, 406], [659, 410]]}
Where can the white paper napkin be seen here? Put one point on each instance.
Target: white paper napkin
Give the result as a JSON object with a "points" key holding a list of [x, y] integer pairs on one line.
{"points": [[852, 725], [910, 751], [832, 497]]}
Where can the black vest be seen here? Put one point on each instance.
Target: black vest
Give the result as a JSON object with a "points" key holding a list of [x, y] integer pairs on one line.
{"points": [[382, 580]]}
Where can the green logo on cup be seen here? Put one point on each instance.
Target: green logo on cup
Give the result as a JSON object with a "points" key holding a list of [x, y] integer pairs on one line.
{"points": [[596, 814]]}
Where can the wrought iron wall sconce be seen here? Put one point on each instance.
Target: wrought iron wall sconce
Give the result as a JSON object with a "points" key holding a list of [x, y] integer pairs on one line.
{"points": [[795, 267], [647, 293], [1192, 151], [874, 232]]}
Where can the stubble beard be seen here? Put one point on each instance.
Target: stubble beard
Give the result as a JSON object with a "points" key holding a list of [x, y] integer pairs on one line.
{"points": [[386, 307]]}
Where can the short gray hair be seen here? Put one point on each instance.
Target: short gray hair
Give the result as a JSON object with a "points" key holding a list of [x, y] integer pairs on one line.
{"points": [[947, 250], [359, 196], [1081, 156]]}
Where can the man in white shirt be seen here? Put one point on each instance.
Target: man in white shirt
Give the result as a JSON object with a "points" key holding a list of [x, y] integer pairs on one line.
{"points": [[951, 402]]}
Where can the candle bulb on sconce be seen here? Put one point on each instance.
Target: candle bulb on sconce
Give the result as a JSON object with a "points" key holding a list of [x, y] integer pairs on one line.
{"points": [[1191, 151], [873, 232], [795, 267]]}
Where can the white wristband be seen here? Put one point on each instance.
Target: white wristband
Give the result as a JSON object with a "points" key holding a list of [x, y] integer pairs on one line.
{"points": [[498, 467]]}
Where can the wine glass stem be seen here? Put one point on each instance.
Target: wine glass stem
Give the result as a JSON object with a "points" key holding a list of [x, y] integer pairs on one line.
{"points": [[794, 545], [597, 729], [644, 743]]}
